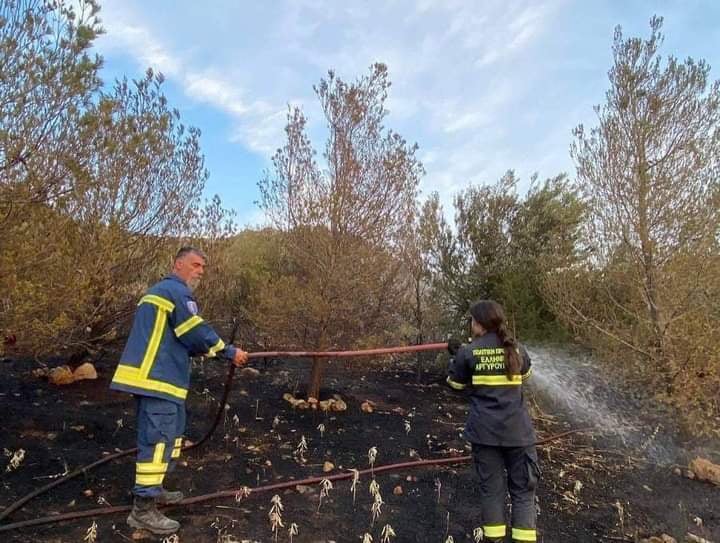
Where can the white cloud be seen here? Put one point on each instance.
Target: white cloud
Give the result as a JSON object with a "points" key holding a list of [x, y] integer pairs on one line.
{"points": [[215, 91], [262, 131], [255, 219], [458, 70], [526, 25], [258, 123], [140, 43]]}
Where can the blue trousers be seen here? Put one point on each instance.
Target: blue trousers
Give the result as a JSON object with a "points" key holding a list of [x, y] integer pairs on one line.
{"points": [[160, 426], [503, 469]]}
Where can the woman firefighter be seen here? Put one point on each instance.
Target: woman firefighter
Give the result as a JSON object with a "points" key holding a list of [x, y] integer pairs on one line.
{"points": [[493, 367]]}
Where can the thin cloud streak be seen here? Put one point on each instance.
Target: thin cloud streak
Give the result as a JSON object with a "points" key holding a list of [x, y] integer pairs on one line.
{"points": [[257, 122], [481, 87]]}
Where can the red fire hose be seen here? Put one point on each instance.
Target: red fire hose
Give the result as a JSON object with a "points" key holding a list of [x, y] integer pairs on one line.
{"points": [[344, 354], [218, 416]]}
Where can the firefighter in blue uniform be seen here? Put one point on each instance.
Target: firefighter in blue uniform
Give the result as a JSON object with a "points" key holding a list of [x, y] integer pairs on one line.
{"points": [[155, 367], [493, 367]]}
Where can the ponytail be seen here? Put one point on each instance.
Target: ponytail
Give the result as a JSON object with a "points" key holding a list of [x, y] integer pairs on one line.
{"points": [[512, 357]]}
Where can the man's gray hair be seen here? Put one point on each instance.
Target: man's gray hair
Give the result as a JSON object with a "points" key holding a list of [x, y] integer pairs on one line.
{"points": [[184, 251]]}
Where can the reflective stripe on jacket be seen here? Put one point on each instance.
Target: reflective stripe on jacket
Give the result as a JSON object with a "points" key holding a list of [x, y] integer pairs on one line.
{"points": [[166, 332]]}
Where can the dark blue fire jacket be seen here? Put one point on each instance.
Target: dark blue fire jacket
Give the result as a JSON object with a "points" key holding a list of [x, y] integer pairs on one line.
{"points": [[498, 415], [166, 332]]}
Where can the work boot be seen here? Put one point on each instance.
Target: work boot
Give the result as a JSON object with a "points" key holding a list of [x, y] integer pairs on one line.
{"points": [[145, 516], [169, 497]]}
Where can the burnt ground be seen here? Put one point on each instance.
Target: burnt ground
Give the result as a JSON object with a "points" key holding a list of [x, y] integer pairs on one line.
{"points": [[590, 491]]}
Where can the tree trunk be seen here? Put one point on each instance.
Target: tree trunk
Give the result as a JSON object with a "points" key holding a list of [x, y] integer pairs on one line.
{"points": [[419, 367], [316, 374], [420, 325], [649, 268]]}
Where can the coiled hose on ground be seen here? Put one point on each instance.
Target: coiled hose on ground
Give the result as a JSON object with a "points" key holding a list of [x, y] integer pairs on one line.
{"points": [[239, 492]]}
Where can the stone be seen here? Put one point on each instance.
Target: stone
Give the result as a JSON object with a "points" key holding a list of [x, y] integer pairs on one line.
{"points": [[40, 373], [85, 371], [339, 405], [664, 538], [62, 375], [366, 407], [328, 467], [398, 490], [249, 373], [706, 470]]}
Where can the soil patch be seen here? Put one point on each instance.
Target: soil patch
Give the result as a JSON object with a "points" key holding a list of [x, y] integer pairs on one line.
{"points": [[590, 490]]}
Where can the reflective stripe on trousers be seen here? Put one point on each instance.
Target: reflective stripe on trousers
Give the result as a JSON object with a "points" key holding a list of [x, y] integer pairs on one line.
{"points": [[160, 426], [501, 469]]}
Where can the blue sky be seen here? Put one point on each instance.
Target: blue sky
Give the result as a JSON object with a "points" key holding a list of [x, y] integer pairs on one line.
{"points": [[481, 86]]}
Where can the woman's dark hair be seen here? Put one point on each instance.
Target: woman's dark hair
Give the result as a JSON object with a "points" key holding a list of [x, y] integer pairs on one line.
{"points": [[491, 316]]}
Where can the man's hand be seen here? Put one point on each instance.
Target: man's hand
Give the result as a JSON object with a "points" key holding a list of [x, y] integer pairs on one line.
{"points": [[241, 357]]}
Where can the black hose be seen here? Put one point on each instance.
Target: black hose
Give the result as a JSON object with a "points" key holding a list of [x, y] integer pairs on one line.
{"points": [[226, 392]]}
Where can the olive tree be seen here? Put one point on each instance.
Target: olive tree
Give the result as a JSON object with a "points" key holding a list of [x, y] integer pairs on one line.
{"points": [[342, 221]]}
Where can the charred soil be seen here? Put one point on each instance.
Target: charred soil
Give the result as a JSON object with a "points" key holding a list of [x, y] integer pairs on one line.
{"points": [[590, 490]]}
